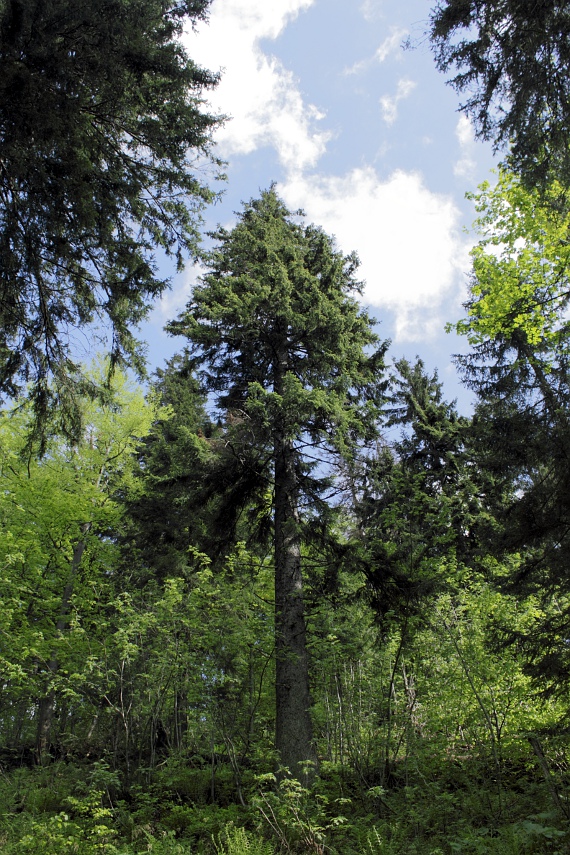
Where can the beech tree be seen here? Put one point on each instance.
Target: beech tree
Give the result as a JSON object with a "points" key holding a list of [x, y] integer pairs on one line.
{"points": [[277, 334], [520, 264], [105, 149], [57, 558], [519, 367]]}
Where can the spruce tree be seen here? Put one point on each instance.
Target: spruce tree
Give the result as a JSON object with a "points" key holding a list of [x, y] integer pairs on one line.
{"points": [[278, 336], [419, 507], [511, 59], [104, 146]]}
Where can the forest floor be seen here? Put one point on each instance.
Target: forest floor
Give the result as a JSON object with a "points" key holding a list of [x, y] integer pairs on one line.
{"points": [[180, 808]]}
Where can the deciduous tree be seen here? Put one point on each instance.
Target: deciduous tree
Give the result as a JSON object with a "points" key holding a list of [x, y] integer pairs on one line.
{"points": [[57, 555], [519, 367]]}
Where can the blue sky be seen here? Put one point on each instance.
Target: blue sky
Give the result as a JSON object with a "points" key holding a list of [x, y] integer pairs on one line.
{"points": [[365, 137]]}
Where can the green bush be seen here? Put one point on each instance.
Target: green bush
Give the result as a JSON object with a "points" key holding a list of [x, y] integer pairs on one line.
{"points": [[300, 819], [58, 834]]}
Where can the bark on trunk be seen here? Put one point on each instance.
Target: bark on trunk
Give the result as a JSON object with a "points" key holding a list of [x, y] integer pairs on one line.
{"points": [[46, 707], [548, 776], [293, 729]]}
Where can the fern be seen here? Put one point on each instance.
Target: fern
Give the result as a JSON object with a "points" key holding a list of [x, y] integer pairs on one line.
{"points": [[238, 841]]}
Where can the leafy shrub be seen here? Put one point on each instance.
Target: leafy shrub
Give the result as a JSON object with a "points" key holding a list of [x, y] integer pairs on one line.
{"points": [[58, 834], [298, 817]]}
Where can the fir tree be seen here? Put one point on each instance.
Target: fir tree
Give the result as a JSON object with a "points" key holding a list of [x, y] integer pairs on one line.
{"points": [[279, 337], [103, 143]]}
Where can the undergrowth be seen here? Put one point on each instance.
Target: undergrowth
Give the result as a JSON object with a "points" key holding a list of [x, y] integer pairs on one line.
{"points": [[88, 810]]}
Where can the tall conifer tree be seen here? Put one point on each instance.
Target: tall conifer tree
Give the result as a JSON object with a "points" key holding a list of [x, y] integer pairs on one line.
{"points": [[278, 335], [104, 141], [510, 58]]}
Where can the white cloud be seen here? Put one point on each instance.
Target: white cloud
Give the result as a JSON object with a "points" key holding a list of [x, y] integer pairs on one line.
{"points": [[359, 66], [260, 95], [389, 103], [407, 237], [412, 253], [371, 9], [466, 165], [390, 46], [174, 300]]}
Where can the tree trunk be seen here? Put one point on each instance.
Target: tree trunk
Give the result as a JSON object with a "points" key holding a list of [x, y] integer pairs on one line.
{"points": [[293, 729], [548, 776], [46, 706]]}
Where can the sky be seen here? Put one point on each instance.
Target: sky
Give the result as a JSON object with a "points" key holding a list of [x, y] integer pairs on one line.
{"points": [[365, 136]]}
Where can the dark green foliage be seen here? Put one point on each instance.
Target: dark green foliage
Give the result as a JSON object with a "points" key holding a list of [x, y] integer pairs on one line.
{"points": [[434, 450], [519, 368], [511, 58], [166, 510], [152, 671], [163, 696], [418, 506], [276, 284], [198, 481], [103, 143], [270, 280], [522, 435]]}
